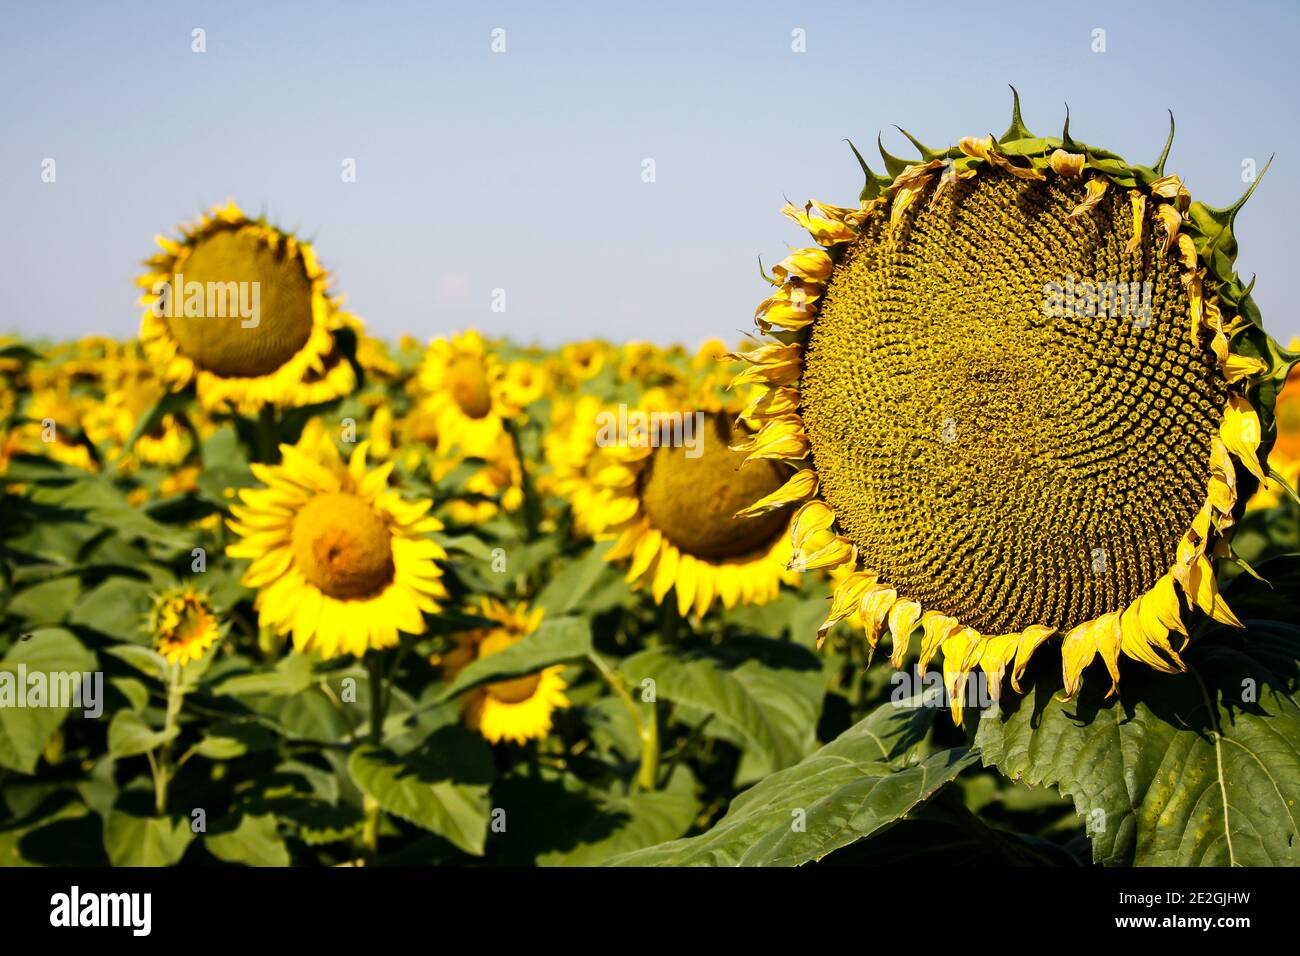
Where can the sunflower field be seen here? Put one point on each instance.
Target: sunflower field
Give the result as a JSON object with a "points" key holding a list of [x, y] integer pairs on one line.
{"points": [[276, 592]]}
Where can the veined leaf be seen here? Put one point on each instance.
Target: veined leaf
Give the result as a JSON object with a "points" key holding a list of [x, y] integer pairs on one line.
{"points": [[24, 731], [848, 790], [145, 841], [557, 640], [1195, 769], [767, 693], [443, 787]]}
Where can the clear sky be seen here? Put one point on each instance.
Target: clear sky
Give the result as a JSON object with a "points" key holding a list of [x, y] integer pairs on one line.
{"points": [[523, 170]]}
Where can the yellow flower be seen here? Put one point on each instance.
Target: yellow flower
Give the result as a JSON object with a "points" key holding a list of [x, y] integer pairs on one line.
{"points": [[183, 624], [110, 424], [241, 309], [338, 558], [464, 394], [662, 480], [1004, 434], [519, 709], [583, 361], [496, 485], [524, 382], [53, 421]]}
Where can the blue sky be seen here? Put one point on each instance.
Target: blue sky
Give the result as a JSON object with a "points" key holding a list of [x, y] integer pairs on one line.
{"points": [[522, 170]]}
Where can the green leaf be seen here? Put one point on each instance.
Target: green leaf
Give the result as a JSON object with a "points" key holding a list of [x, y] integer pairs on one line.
{"points": [[442, 788], [558, 640], [144, 659], [767, 693], [627, 822], [256, 841], [24, 731], [560, 821], [229, 739], [292, 675], [129, 735], [118, 607], [1194, 769], [586, 586], [145, 841], [848, 790], [45, 603]]}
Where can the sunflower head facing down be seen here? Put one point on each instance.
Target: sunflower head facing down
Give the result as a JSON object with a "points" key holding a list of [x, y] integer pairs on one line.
{"points": [[519, 709], [338, 558], [1028, 396], [242, 310], [183, 624], [662, 479]]}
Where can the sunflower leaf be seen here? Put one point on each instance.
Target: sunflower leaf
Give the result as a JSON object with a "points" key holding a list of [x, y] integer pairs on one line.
{"points": [[850, 789], [1201, 768], [443, 787], [145, 841], [254, 841], [557, 640], [25, 730], [766, 695]]}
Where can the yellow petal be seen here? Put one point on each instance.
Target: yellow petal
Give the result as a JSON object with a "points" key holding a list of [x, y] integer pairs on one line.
{"points": [[1096, 188], [1240, 431], [903, 617], [1029, 641], [936, 627], [1066, 164], [846, 599], [801, 486], [875, 604]]}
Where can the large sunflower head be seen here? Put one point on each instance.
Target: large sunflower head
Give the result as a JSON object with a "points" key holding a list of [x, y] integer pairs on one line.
{"points": [[183, 624], [661, 478], [242, 309], [338, 558], [519, 709], [1026, 386]]}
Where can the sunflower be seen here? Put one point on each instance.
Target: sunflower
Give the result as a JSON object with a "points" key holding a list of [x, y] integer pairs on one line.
{"points": [[465, 394], [289, 350], [183, 624], [662, 480], [496, 483], [519, 709], [111, 423], [582, 361], [55, 418], [1284, 458], [338, 557], [1027, 395]]}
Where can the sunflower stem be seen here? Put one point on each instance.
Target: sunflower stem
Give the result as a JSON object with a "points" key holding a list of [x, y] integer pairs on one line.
{"points": [[370, 829], [648, 776], [670, 620], [267, 428], [162, 767], [532, 518], [647, 729]]}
